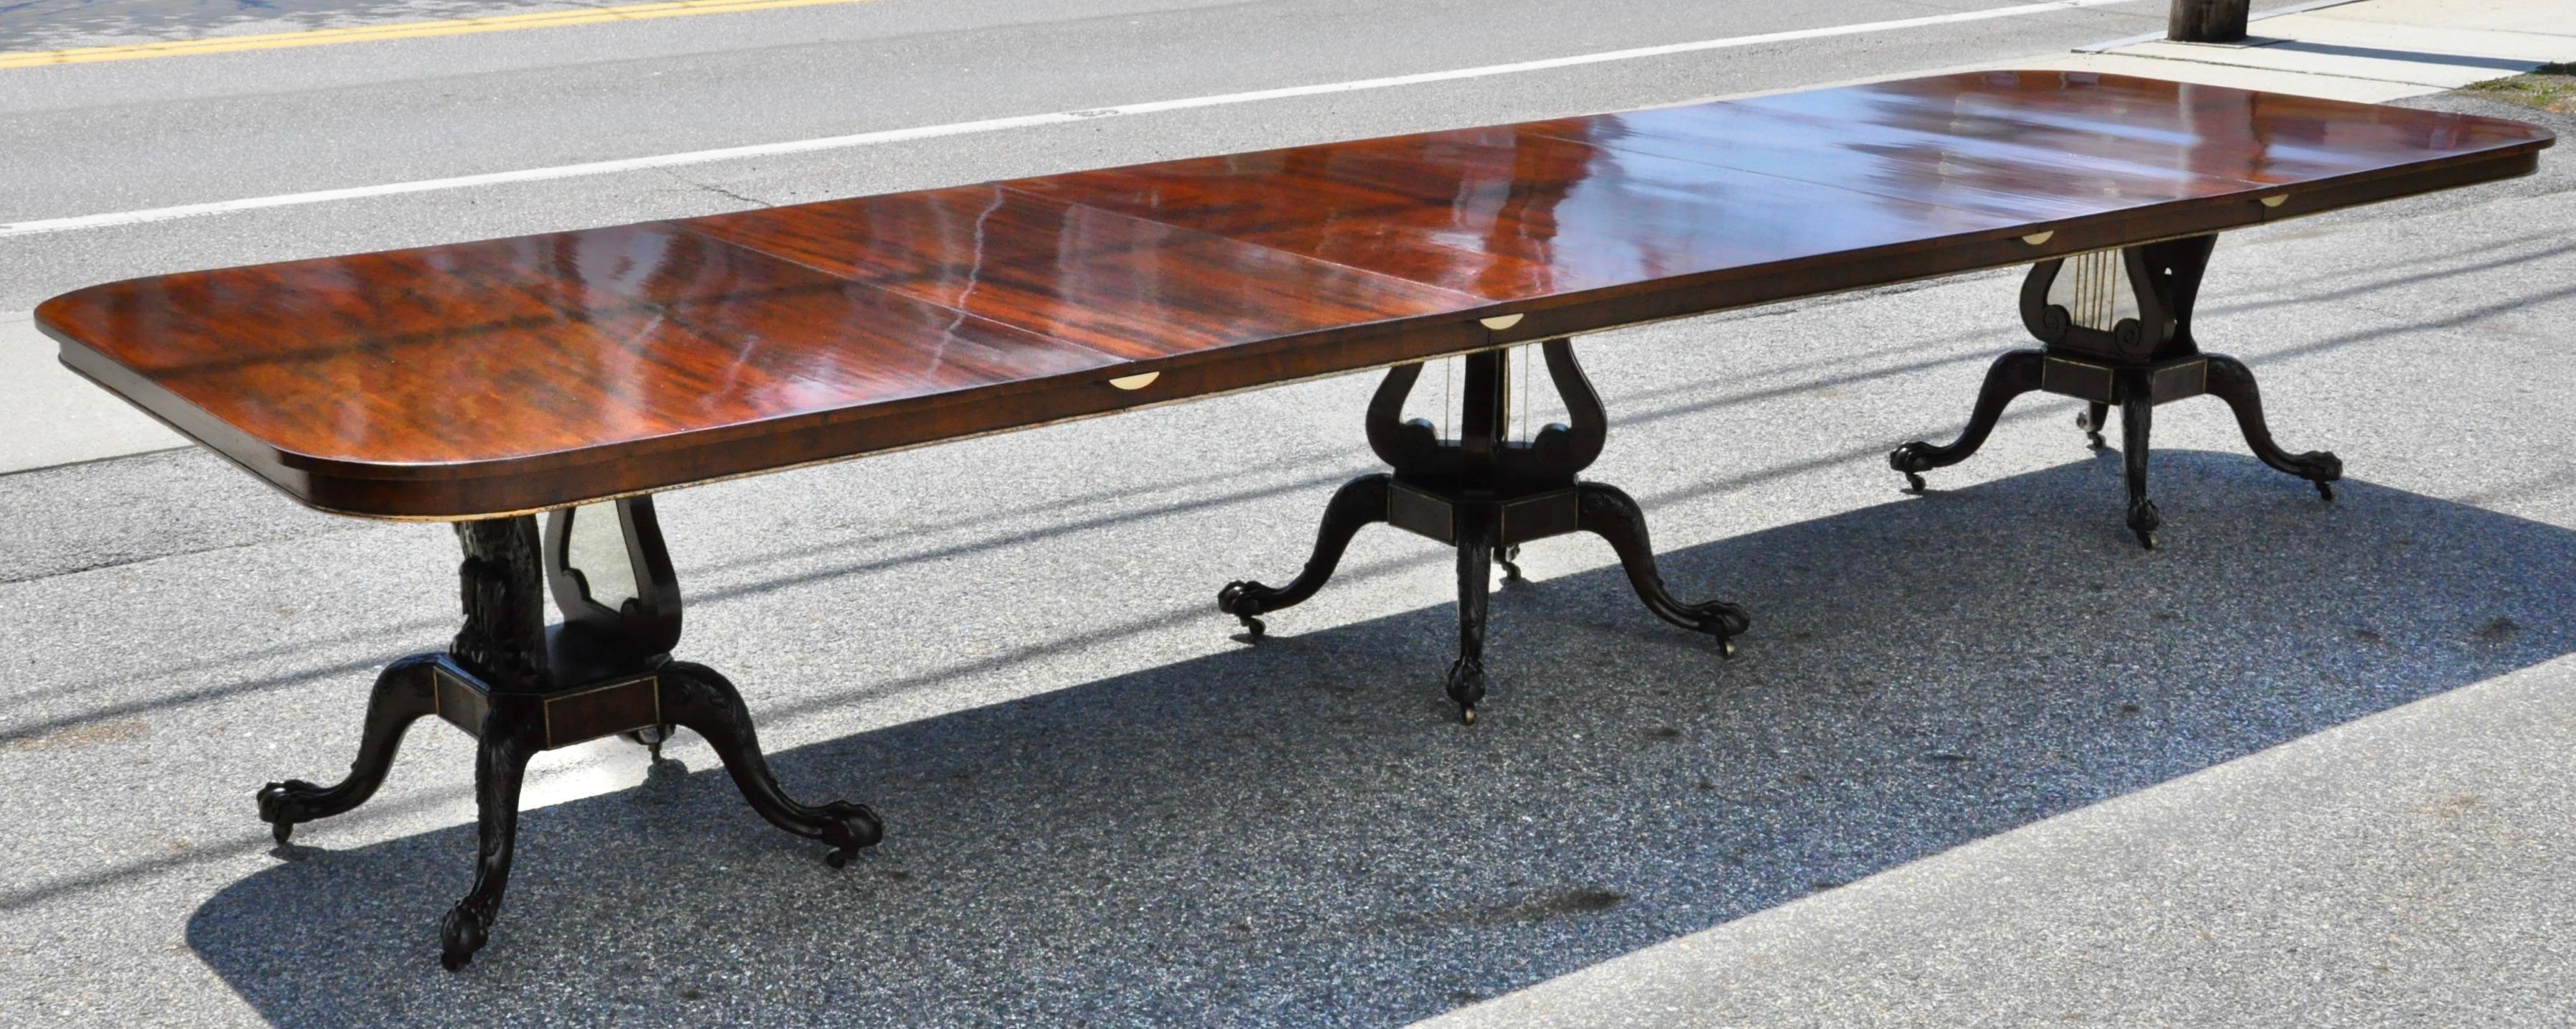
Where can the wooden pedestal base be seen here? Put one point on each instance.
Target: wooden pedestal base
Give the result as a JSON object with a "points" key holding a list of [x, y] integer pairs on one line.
{"points": [[520, 688], [2131, 357], [1486, 495]]}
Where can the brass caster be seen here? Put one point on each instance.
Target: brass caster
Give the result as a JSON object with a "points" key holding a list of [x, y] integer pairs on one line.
{"points": [[1254, 627], [1913, 483], [651, 737], [2326, 490], [1726, 648], [2092, 432], [1467, 715]]}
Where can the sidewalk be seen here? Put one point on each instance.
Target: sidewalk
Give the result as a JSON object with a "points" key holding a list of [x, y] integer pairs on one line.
{"points": [[2367, 51]]}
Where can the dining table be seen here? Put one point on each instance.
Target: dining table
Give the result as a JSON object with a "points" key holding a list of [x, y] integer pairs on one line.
{"points": [[538, 392]]}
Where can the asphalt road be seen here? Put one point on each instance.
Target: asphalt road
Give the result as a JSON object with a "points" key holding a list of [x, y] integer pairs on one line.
{"points": [[2312, 744]]}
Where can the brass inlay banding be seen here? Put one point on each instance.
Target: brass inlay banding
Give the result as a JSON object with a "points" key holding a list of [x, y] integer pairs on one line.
{"points": [[546, 710]]}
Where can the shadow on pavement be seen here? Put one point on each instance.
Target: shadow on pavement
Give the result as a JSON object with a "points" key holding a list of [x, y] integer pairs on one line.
{"points": [[1299, 831]]}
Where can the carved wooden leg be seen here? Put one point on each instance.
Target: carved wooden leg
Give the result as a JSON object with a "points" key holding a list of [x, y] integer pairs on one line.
{"points": [[695, 697], [1475, 571], [2095, 418], [2013, 374], [512, 733], [1614, 516], [2137, 415], [1359, 502], [2231, 381], [404, 692]]}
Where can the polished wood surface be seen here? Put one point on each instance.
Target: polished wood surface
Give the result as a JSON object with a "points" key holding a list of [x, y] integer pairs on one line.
{"points": [[536, 372]]}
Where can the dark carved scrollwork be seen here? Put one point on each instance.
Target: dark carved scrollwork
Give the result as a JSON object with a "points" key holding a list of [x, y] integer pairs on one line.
{"points": [[696, 698], [647, 624], [1358, 503], [2161, 280], [1555, 453], [510, 737], [2013, 374], [1567, 449], [498, 681], [1613, 515], [404, 693], [503, 586], [1399, 442], [1485, 494], [2132, 364], [2137, 408], [2232, 382]]}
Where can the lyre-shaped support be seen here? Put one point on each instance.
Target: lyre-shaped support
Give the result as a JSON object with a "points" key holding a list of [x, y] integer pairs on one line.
{"points": [[2116, 329], [521, 687], [1485, 494], [1484, 450]]}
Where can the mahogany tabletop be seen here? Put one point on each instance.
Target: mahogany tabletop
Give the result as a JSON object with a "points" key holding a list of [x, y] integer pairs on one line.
{"points": [[512, 375]]}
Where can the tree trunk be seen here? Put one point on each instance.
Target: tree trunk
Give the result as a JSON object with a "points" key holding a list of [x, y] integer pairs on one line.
{"points": [[2207, 21]]}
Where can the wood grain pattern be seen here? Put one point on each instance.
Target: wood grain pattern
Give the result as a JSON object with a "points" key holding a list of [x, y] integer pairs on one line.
{"points": [[1513, 214], [542, 371], [1138, 289]]}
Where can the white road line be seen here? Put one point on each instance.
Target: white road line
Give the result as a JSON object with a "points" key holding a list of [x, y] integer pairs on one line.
{"points": [[566, 171]]}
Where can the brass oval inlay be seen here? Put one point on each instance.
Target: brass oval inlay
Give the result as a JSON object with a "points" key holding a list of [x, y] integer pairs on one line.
{"points": [[2276, 200], [1501, 321], [1136, 381], [2038, 238]]}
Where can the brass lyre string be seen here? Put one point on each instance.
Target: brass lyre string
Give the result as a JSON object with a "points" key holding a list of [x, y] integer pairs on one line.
{"points": [[2084, 290], [2081, 307], [2087, 281], [2102, 292]]}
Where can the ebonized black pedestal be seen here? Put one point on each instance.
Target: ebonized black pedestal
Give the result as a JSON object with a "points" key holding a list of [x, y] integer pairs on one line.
{"points": [[521, 687], [2116, 329], [1486, 494]]}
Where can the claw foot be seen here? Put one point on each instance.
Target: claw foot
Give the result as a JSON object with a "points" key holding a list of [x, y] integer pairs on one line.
{"points": [[2143, 520], [1467, 687], [1717, 618], [1913, 459], [283, 804], [2321, 468], [465, 930], [848, 828], [1245, 600]]}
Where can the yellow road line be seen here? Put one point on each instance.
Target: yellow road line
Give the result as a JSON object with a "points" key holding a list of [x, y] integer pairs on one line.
{"points": [[403, 30]]}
